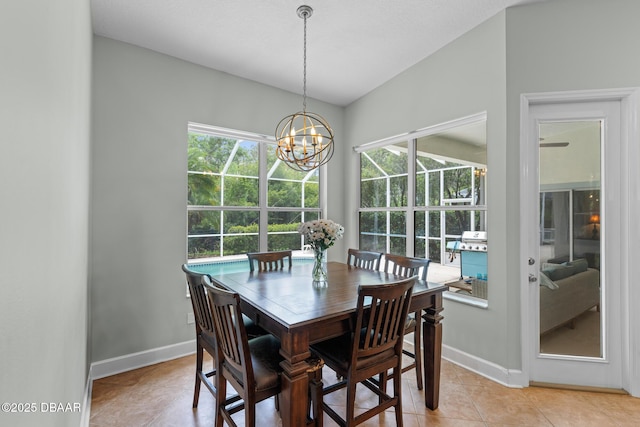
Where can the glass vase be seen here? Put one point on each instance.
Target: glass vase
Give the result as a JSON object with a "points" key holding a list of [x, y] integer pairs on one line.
{"points": [[319, 272]]}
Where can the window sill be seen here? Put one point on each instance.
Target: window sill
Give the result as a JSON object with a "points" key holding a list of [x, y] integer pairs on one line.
{"points": [[466, 299]]}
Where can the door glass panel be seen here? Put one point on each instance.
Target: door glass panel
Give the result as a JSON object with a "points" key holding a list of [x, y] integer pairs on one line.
{"points": [[569, 238]]}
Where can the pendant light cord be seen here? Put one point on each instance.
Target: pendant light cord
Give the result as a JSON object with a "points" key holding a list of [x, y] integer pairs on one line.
{"points": [[304, 72]]}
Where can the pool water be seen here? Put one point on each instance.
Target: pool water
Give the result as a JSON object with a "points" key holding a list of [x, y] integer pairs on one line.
{"points": [[236, 266]]}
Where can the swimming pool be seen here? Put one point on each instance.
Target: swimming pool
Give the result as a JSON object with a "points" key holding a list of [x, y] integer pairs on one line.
{"points": [[237, 265]]}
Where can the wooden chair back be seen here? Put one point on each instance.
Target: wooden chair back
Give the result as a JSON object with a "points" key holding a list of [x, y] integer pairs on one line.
{"points": [[205, 332], [373, 348], [381, 314], [235, 364], [201, 312], [268, 261], [233, 341], [406, 266], [369, 260]]}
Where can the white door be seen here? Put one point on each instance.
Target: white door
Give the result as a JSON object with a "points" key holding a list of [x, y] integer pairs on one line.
{"points": [[573, 201]]}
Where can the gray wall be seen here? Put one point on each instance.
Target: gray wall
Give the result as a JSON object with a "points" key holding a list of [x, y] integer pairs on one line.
{"points": [[44, 193], [466, 77], [142, 104]]}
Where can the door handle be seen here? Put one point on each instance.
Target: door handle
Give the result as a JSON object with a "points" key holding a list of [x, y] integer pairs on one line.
{"points": [[533, 278]]}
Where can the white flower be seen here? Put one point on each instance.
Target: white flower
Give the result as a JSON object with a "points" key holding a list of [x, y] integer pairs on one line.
{"points": [[321, 234]]}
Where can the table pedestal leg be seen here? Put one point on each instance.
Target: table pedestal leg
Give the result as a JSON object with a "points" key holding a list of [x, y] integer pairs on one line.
{"points": [[294, 396], [293, 399], [432, 339]]}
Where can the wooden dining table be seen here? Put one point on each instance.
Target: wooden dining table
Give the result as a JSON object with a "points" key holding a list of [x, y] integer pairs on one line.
{"points": [[289, 305]]}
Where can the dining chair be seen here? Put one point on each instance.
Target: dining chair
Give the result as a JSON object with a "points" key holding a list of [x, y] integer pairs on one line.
{"points": [[369, 260], [374, 347], [252, 367], [205, 333], [268, 261], [407, 267]]}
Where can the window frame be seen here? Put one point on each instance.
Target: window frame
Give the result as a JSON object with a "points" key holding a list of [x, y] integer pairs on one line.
{"points": [[411, 209], [262, 209]]}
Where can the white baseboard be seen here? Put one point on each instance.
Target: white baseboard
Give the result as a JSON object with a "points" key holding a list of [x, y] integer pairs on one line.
{"points": [[513, 378], [116, 365]]}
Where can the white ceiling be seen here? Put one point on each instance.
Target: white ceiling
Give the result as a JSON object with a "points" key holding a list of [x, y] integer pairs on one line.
{"points": [[353, 46]]}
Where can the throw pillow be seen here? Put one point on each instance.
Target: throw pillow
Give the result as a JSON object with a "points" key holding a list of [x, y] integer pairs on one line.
{"points": [[559, 271], [580, 265], [549, 267], [545, 281]]}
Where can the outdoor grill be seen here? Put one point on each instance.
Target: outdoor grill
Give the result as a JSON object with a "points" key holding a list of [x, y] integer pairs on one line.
{"points": [[473, 254], [474, 241]]}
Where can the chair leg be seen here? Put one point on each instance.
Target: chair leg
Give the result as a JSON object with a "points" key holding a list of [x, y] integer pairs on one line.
{"points": [[250, 413], [196, 391], [397, 392], [383, 379], [417, 349], [221, 387], [314, 407], [351, 403]]}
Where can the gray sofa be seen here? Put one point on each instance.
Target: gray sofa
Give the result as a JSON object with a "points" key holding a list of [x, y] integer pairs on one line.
{"points": [[566, 291]]}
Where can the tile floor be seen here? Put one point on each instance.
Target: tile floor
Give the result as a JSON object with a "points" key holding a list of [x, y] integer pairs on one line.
{"points": [[161, 395]]}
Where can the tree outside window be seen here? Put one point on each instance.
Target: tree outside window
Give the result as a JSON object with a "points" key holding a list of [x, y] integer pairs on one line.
{"points": [[226, 209]]}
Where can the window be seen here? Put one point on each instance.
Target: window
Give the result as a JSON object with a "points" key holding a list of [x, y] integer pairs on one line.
{"points": [[241, 198], [570, 226], [420, 193], [383, 199]]}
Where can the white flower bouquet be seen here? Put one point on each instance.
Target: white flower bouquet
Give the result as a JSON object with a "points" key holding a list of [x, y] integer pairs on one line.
{"points": [[321, 234]]}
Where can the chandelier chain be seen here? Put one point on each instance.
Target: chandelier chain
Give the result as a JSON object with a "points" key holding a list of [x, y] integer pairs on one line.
{"points": [[304, 69]]}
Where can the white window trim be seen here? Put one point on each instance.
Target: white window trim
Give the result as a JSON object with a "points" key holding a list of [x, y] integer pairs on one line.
{"points": [[419, 133]]}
